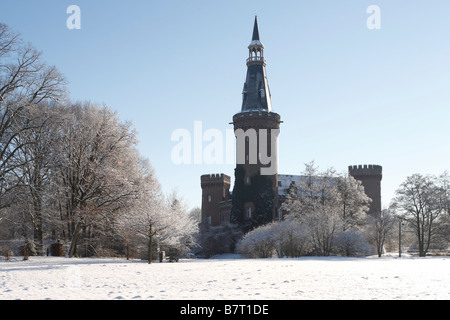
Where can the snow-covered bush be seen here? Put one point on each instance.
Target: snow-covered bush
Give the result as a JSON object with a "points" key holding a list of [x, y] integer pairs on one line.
{"points": [[351, 243], [258, 243], [288, 238], [291, 238]]}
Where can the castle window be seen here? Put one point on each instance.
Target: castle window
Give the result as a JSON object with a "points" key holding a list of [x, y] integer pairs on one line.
{"points": [[248, 213], [247, 180], [208, 220], [209, 198]]}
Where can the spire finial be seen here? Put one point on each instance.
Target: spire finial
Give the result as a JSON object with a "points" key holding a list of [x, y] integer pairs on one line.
{"points": [[256, 29]]}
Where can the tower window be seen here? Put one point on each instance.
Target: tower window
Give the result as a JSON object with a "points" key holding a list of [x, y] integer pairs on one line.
{"points": [[209, 198], [248, 212]]}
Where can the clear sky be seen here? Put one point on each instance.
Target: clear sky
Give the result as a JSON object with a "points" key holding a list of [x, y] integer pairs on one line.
{"points": [[347, 94]]}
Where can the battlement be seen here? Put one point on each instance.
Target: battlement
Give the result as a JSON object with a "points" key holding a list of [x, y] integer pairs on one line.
{"points": [[214, 180], [256, 119], [257, 114], [365, 170]]}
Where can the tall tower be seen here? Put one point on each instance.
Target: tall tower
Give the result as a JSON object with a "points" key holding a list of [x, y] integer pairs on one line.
{"points": [[370, 176], [256, 126]]}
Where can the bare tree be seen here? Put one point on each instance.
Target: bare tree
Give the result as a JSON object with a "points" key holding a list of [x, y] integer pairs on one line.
{"points": [[25, 81], [420, 201], [379, 228], [38, 158]]}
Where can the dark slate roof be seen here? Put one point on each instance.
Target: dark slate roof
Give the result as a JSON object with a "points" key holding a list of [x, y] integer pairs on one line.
{"points": [[256, 93]]}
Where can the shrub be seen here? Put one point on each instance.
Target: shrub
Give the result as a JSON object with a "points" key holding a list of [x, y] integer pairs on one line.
{"points": [[258, 243], [351, 243]]}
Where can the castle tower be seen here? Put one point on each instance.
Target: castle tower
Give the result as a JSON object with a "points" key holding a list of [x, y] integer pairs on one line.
{"points": [[370, 176], [256, 126], [215, 193]]}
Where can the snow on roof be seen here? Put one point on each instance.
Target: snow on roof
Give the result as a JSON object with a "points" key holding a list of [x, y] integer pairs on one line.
{"points": [[285, 180]]}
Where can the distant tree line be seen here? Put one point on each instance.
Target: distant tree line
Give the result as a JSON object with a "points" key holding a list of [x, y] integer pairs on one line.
{"points": [[71, 172]]}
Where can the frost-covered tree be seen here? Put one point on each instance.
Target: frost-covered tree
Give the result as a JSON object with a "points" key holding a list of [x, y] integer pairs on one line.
{"points": [[353, 202], [179, 238], [68, 171], [196, 214], [155, 222], [326, 204], [145, 218], [94, 165]]}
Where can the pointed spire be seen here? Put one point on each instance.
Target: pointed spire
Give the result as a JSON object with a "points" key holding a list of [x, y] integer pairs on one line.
{"points": [[256, 30], [256, 93]]}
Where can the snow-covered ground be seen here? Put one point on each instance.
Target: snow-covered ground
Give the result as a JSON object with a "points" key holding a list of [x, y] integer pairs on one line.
{"points": [[225, 278]]}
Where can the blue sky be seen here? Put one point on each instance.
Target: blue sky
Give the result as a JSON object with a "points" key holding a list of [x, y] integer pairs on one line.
{"points": [[347, 94]]}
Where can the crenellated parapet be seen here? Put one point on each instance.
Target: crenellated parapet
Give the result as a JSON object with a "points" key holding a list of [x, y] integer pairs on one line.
{"points": [[367, 170], [256, 119], [215, 180]]}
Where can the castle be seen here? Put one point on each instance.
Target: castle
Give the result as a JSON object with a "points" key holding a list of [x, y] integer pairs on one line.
{"points": [[256, 129]]}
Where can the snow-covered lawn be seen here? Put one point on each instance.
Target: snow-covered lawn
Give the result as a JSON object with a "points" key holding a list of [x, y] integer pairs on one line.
{"points": [[224, 279]]}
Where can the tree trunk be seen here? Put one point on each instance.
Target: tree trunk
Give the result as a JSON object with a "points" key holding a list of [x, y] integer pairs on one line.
{"points": [[73, 242], [37, 225], [150, 244]]}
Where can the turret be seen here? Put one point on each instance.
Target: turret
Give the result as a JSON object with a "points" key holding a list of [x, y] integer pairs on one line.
{"points": [[215, 190], [370, 177]]}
